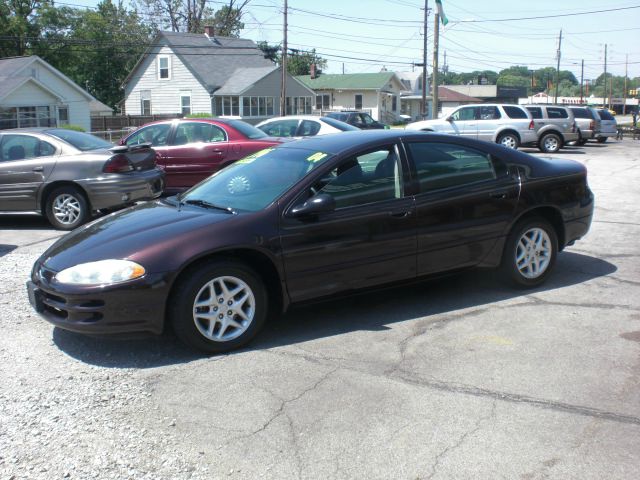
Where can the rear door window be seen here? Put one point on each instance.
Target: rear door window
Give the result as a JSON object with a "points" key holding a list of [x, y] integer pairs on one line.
{"points": [[489, 113], [581, 113], [198, 132]]}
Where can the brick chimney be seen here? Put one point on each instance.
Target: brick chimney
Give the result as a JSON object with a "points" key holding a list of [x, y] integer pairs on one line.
{"points": [[209, 31], [313, 70]]}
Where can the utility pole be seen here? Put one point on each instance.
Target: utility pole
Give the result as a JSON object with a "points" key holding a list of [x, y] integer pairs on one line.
{"points": [[283, 87], [605, 75], [624, 104], [558, 67], [582, 81], [423, 105], [434, 82]]}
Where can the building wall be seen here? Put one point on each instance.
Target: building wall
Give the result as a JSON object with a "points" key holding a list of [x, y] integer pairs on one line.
{"points": [[165, 93], [67, 94]]}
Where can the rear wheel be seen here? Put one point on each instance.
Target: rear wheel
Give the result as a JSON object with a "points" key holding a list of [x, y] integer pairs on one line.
{"points": [[602, 139], [67, 208], [219, 306], [530, 252], [550, 143], [509, 140], [581, 140]]}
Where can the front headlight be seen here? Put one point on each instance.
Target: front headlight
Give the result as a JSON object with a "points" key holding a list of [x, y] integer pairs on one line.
{"points": [[104, 272]]}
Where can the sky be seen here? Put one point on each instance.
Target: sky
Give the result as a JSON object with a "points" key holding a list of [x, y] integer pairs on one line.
{"points": [[358, 36]]}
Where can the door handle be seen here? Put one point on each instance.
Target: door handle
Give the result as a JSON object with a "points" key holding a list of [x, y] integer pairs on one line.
{"points": [[400, 213], [38, 169], [498, 195]]}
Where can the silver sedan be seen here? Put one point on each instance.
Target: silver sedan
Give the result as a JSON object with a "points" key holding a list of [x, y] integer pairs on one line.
{"points": [[67, 175]]}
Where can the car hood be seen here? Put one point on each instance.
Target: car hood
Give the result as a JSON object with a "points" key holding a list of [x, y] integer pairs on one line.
{"points": [[145, 233]]}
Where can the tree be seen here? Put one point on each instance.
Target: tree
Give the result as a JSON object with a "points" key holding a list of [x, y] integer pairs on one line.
{"points": [[298, 61], [192, 16], [17, 26]]}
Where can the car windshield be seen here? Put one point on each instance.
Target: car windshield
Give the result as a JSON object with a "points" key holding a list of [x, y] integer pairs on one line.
{"points": [[338, 124], [252, 183], [82, 141], [248, 130]]}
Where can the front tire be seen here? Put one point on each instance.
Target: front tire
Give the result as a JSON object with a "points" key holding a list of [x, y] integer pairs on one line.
{"points": [[509, 140], [602, 139], [530, 252], [218, 307], [67, 208], [550, 143]]}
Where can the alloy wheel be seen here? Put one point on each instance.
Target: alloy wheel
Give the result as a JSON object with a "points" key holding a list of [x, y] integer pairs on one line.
{"points": [[66, 209], [533, 253]]}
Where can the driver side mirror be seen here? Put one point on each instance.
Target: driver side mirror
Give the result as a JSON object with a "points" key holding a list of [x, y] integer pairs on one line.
{"points": [[320, 203]]}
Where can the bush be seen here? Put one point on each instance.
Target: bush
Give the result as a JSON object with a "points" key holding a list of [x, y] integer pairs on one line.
{"points": [[199, 115], [76, 128]]}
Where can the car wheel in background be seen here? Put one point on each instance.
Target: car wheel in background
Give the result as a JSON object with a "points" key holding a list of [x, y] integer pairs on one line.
{"points": [[67, 208], [509, 140], [602, 139], [550, 143], [530, 252], [219, 306]]}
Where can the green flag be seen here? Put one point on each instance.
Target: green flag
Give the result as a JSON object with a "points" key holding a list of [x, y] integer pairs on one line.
{"points": [[443, 17]]}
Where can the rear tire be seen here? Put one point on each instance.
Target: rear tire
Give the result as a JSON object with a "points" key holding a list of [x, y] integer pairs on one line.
{"points": [[530, 252], [581, 140], [219, 306], [509, 140], [67, 208], [602, 139], [550, 143]]}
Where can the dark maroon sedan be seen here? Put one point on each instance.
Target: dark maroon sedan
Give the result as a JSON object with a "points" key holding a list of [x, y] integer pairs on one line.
{"points": [[309, 219], [191, 149]]}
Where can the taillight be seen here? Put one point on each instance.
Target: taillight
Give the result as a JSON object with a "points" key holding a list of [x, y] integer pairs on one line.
{"points": [[531, 125], [118, 164], [592, 125]]}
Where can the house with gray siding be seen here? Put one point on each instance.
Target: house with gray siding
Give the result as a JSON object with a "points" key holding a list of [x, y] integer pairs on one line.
{"points": [[35, 94], [185, 73]]}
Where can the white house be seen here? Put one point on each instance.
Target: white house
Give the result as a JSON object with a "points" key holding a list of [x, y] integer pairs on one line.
{"points": [[377, 92], [184, 73], [35, 94], [411, 96]]}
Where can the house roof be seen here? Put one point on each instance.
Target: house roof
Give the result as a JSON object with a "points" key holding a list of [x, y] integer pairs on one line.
{"points": [[243, 78], [11, 67], [447, 95], [348, 81], [212, 60]]}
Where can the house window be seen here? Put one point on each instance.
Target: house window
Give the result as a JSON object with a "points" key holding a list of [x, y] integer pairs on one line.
{"points": [[145, 102], [394, 103], [185, 102], [164, 68], [358, 101], [257, 107], [63, 115], [323, 101], [228, 106], [298, 105], [26, 117]]}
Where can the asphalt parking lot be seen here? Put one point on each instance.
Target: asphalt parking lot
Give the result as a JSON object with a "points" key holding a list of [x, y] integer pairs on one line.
{"points": [[454, 378]]}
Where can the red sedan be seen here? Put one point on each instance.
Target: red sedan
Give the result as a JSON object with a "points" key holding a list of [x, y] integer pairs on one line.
{"points": [[189, 150]]}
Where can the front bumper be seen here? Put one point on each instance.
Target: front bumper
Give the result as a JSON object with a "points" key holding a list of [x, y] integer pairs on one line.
{"points": [[114, 190], [136, 306]]}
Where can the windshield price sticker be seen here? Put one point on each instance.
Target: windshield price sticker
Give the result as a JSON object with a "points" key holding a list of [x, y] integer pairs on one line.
{"points": [[316, 157], [253, 156]]}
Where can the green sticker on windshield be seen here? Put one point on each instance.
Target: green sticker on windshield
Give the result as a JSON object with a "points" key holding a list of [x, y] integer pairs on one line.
{"points": [[316, 157], [253, 156]]}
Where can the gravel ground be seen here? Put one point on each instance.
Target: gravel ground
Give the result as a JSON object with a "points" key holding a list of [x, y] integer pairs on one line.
{"points": [[419, 382]]}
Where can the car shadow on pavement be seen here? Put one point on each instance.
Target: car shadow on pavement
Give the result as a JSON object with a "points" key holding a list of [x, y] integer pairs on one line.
{"points": [[4, 249], [372, 311], [24, 222]]}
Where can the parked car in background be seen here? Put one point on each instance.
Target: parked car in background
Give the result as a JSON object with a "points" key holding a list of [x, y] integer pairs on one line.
{"points": [[191, 149], [608, 126], [361, 120], [555, 126], [66, 175], [309, 219], [587, 122], [303, 126], [508, 125]]}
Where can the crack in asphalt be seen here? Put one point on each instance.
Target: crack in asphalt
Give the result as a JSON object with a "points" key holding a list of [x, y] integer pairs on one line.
{"points": [[461, 440], [522, 399], [633, 224]]}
